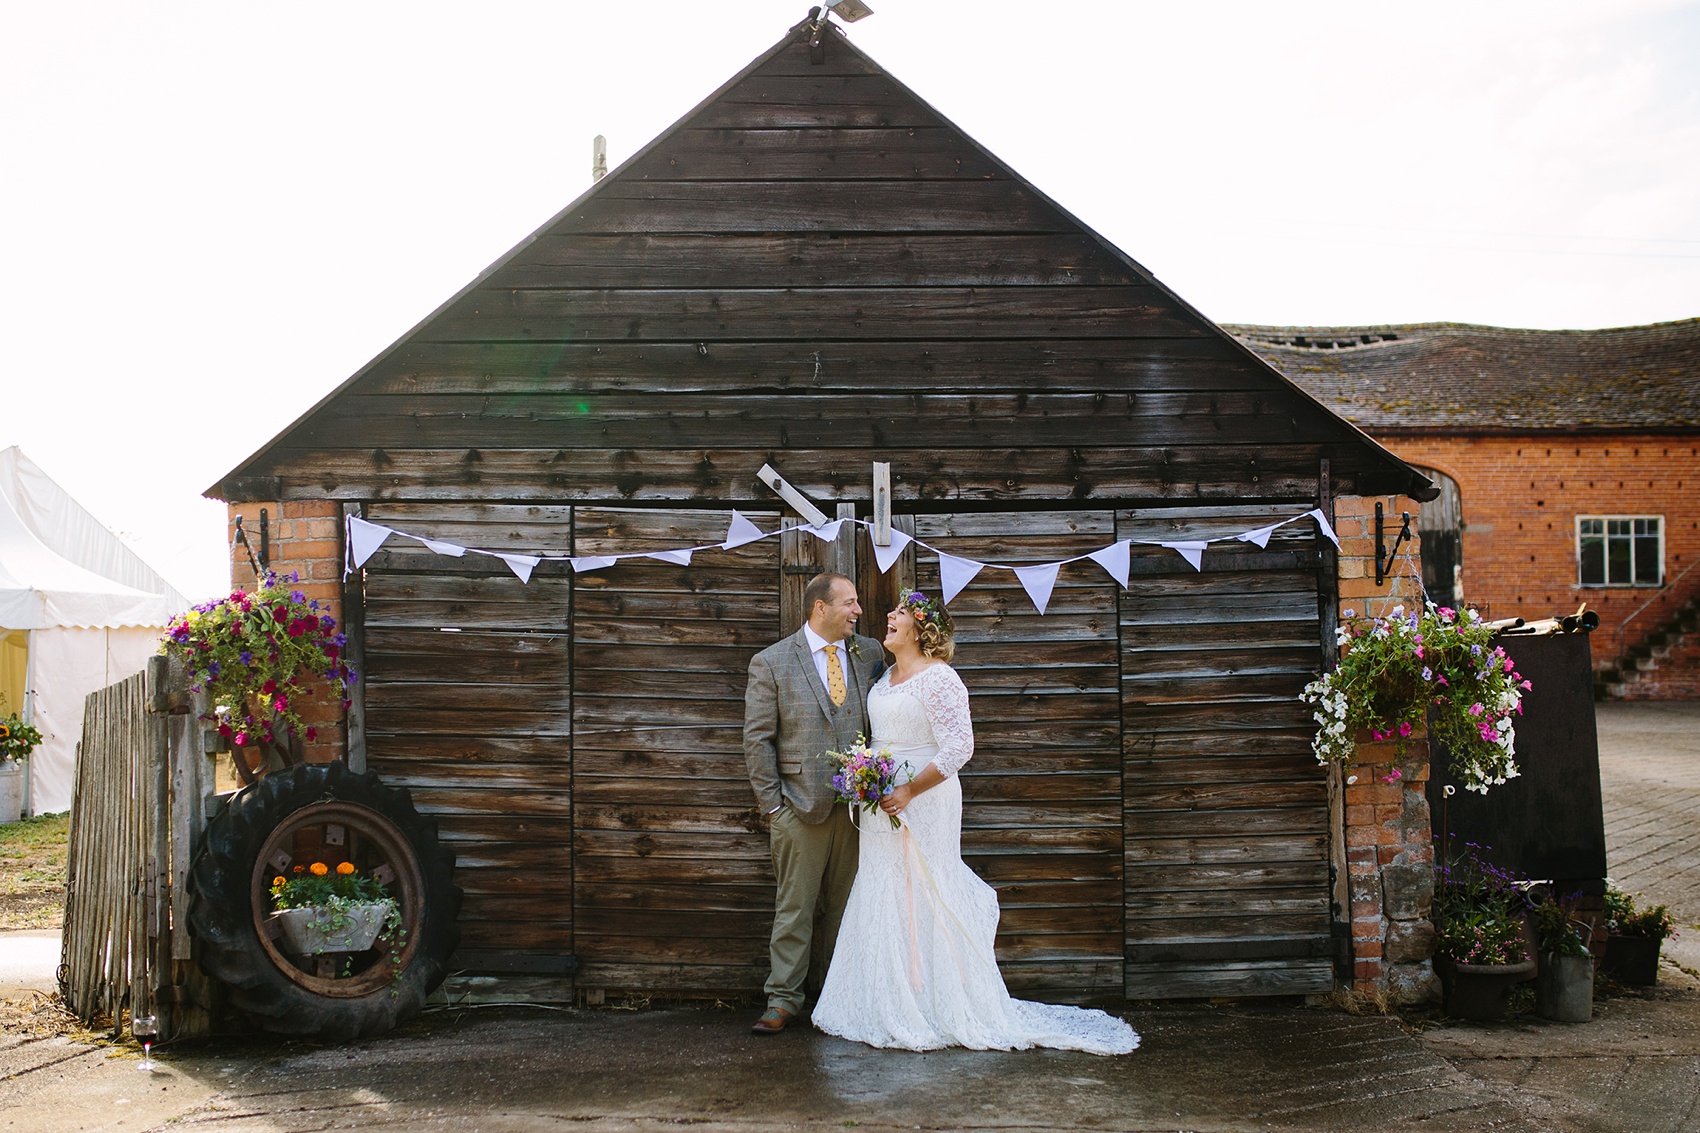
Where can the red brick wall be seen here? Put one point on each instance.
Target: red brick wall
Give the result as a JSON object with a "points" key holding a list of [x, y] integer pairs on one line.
{"points": [[1521, 497], [1389, 839], [304, 538]]}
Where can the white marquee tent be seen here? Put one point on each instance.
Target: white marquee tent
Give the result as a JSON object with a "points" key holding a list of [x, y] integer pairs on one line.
{"points": [[78, 611]]}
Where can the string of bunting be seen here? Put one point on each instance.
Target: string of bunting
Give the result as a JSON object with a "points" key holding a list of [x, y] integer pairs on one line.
{"points": [[955, 572]]}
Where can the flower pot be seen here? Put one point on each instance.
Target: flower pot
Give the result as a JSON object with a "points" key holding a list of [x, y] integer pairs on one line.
{"points": [[1564, 988], [11, 790], [310, 931], [1479, 991], [1633, 960]]}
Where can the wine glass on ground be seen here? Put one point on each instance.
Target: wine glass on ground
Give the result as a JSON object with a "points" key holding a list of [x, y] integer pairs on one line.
{"points": [[145, 1028]]}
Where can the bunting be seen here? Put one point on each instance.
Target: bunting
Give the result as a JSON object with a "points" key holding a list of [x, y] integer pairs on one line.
{"points": [[364, 539], [1039, 581], [955, 572]]}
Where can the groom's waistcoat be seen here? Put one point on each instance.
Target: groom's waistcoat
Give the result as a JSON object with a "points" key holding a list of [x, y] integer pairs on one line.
{"points": [[790, 723]]}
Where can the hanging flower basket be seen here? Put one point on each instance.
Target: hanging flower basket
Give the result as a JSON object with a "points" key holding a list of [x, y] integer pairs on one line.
{"points": [[1436, 669]]}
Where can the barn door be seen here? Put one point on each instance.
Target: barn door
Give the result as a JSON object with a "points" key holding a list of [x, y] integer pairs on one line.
{"points": [[673, 884], [469, 705], [1227, 815], [1042, 813]]}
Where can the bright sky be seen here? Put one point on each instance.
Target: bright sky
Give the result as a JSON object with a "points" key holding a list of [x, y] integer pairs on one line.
{"points": [[212, 214]]}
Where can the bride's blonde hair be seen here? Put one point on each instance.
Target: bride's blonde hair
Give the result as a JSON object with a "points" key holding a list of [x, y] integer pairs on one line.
{"points": [[934, 630]]}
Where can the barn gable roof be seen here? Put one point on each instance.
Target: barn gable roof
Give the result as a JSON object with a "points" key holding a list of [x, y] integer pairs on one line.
{"points": [[814, 259]]}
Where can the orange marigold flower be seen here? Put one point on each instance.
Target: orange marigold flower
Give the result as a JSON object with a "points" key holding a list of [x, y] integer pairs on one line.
{"points": [[345, 868], [278, 880], [300, 869], [320, 869]]}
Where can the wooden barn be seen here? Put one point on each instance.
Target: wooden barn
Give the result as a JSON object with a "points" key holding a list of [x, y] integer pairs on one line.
{"points": [[815, 270]]}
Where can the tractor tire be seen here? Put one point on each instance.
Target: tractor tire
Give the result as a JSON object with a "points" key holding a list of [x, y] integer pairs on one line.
{"points": [[254, 838]]}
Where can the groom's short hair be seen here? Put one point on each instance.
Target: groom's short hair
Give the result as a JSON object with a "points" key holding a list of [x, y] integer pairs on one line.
{"points": [[819, 589]]}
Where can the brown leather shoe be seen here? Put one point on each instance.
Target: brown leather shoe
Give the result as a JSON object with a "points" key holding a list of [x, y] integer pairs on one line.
{"points": [[773, 1020]]}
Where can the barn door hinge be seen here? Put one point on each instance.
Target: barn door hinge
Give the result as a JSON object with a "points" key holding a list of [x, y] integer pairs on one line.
{"points": [[1383, 557]]}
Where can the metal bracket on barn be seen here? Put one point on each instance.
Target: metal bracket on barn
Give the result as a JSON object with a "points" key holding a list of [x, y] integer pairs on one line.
{"points": [[1383, 557]]}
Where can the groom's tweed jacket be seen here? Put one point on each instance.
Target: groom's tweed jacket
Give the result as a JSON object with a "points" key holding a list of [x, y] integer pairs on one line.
{"points": [[790, 723]]}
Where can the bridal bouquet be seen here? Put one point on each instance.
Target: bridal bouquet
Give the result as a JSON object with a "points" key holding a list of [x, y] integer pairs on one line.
{"points": [[864, 776]]}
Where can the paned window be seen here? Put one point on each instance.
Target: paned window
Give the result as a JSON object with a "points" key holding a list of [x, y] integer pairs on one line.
{"points": [[1620, 550]]}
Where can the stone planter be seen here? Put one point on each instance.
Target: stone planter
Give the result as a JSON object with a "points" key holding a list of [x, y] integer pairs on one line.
{"points": [[1632, 960], [1479, 991], [310, 931], [11, 790], [1564, 988]]}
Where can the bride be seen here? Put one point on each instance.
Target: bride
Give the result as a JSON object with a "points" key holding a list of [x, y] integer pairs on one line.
{"points": [[914, 968]]}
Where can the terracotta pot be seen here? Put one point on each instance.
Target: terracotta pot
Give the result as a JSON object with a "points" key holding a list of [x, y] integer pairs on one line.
{"points": [[1564, 988], [1632, 960], [1479, 991], [310, 931]]}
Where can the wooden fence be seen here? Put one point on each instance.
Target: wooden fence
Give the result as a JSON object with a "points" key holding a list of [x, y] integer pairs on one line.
{"points": [[139, 807]]}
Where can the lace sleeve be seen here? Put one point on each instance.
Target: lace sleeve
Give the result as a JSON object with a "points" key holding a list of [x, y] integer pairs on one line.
{"points": [[945, 698]]}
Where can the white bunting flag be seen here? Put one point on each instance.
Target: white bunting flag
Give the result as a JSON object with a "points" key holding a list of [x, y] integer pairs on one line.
{"points": [[1115, 558], [1192, 550], [364, 539], [1327, 528], [582, 563], [453, 550], [1039, 581], [742, 531], [826, 532], [521, 565], [885, 556], [955, 573], [1260, 536], [678, 558]]}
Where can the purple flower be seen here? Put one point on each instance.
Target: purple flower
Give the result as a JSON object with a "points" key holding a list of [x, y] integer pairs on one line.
{"points": [[297, 596], [1428, 674], [247, 657]]}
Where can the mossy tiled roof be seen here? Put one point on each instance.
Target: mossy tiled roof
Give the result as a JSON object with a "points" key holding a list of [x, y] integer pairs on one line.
{"points": [[1454, 375]]}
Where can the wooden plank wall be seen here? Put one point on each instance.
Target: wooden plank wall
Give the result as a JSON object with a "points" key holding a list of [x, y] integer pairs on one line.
{"points": [[477, 723], [1042, 810], [1226, 808], [674, 882]]}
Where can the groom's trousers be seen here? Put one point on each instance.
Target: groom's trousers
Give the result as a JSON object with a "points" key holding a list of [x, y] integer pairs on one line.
{"points": [[815, 865]]}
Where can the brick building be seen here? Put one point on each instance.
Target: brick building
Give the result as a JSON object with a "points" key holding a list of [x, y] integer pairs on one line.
{"points": [[1569, 463]]}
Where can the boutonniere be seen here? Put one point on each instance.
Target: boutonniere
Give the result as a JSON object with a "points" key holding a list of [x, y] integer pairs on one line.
{"points": [[853, 647]]}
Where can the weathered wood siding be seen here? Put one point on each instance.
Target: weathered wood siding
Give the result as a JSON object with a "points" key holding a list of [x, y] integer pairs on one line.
{"points": [[1042, 809], [1226, 808], [674, 881], [812, 266], [477, 723]]}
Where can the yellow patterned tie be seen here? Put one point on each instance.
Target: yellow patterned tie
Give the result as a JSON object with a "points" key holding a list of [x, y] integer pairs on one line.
{"points": [[834, 675]]}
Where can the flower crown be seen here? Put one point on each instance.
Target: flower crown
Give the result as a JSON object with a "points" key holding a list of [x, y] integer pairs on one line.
{"points": [[921, 607]]}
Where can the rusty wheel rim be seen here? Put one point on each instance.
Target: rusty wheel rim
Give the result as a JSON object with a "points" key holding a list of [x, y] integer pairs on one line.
{"points": [[373, 843]]}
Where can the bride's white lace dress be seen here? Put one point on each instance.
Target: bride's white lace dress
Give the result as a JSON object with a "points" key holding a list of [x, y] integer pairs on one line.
{"points": [[914, 967]]}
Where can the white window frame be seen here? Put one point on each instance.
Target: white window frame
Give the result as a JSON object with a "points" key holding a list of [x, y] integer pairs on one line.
{"points": [[1608, 519]]}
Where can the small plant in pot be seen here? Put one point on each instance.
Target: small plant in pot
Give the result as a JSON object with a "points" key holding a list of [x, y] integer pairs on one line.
{"points": [[325, 908], [1564, 986], [1481, 922], [17, 740], [1634, 937]]}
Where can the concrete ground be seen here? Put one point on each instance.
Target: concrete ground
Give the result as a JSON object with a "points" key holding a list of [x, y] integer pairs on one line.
{"points": [[1202, 1067]]}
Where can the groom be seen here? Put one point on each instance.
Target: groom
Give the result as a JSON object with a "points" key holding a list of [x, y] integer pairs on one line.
{"points": [[807, 695]]}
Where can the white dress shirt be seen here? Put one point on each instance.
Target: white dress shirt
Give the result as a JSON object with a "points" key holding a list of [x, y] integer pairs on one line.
{"points": [[817, 650]]}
